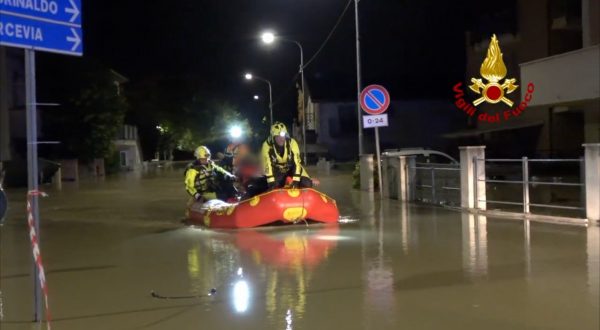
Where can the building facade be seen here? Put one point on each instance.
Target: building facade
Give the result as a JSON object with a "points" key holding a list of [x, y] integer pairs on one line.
{"points": [[554, 45]]}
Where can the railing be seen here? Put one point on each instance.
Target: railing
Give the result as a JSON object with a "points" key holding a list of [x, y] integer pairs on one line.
{"points": [[526, 182], [447, 183]]}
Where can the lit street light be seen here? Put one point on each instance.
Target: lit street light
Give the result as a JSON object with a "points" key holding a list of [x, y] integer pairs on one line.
{"points": [[268, 38], [249, 76]]}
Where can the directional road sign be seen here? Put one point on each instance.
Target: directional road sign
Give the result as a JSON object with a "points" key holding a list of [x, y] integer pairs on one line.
{"points": [[44, 25], [374, 99]]}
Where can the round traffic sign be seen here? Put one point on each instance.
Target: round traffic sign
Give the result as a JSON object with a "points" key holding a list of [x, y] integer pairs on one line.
{"points": [[374, 99]]}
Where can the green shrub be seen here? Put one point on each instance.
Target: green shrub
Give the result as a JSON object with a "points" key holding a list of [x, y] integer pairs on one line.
{"points": [[356, 177]]}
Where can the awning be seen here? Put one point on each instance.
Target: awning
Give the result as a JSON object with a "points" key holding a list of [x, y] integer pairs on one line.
{"points": [[490, 129]]}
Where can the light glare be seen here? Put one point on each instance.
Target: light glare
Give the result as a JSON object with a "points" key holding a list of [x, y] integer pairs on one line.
{"points": [[268, 37], [235, 132], [241, 296]]}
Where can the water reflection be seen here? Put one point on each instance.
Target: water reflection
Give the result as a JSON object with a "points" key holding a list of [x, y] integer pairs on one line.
{"points": [[593, 261], [241, 296], [379, 273], [474, 241], [210, 264], [293, 250], [405, 229], [289, 257], [527, 247]]}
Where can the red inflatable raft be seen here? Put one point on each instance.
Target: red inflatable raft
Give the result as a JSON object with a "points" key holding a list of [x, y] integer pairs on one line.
{"points": [[279, 205]]}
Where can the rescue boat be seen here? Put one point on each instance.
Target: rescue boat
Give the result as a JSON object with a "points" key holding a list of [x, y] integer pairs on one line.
{"points": [[276, 206]]}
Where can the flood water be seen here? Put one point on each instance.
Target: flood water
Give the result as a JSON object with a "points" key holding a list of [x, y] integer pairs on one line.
{"points": [[107, 245]]}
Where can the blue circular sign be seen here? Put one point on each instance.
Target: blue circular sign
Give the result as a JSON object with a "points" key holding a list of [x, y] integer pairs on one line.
{"points": [[374, 99]]}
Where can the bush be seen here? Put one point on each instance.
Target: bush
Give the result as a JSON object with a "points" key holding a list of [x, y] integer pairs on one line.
{"points": [[112, 164], [356, 177]]}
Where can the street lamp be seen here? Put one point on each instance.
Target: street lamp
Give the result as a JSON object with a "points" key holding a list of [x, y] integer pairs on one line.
{"points": [[249, 76], [358, 82], [268, 38]]}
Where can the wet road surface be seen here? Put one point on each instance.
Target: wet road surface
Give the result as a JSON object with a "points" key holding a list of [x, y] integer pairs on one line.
{"points": [[107, 244]]}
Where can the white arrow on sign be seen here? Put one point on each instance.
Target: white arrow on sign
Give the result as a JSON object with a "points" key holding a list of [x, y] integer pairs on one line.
{"points": [[73, 10], [75, 39]]}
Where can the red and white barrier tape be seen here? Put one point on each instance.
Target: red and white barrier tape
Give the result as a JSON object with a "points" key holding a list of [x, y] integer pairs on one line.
{"points": [[37, 256]]}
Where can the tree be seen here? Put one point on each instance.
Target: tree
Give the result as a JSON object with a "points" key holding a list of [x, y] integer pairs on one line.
{"points": [[91, 108], [172, 117]]}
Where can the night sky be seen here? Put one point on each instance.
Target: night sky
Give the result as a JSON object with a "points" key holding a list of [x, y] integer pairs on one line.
{"points": [[413, 47]]}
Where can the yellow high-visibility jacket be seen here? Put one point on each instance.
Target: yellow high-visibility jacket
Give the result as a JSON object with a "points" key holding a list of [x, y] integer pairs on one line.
{"points": [[202, 179], [275, 162]]}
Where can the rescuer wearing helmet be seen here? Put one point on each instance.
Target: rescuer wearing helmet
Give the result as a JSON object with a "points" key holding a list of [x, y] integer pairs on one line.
{"points": [[204, 180], [281, 159]]}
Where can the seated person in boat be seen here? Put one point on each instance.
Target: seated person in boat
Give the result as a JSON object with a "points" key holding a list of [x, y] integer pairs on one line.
{"points": [[204, 180], [235, 152], [281, 159]]}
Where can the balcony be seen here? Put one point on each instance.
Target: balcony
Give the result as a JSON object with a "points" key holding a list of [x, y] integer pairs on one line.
{"points": [[564, 78]]}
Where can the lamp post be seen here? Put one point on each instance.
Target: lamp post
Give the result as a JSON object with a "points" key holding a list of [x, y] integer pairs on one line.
{"points": [[358, 81], [249, 76], [269, 38]]}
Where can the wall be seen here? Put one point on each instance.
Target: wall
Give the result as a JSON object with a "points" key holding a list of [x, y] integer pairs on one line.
{"points": [[417, 123]]}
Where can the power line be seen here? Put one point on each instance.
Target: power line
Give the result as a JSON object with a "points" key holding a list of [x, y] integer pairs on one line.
{"points": [[339, 20], [293, 81]]}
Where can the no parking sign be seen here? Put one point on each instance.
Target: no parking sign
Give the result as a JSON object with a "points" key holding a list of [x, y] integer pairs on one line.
{"points": [[375, 100]]}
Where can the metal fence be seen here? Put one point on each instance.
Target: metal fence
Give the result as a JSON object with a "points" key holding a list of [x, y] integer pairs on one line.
{"points": [[507, 178], [436, 183]]}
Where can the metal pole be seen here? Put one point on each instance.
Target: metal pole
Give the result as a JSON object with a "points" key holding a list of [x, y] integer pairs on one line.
{"points": [[378, 161], [303, 105], [525, 186], [270, 101], [32, 165], [358, 82], [433, 185], [303, 95]]}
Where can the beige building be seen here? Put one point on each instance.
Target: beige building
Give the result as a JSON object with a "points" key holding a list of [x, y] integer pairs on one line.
{"points": [[554, 45]]}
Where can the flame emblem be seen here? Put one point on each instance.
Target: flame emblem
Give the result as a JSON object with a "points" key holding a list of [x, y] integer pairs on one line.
{"points": [[493, 70]]}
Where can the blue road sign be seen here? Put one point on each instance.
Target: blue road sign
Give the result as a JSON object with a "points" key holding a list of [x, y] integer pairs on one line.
{"points": [[374, 99], [45, 25]]}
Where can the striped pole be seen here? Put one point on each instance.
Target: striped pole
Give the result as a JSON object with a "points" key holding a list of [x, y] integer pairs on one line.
{"points": [[37, 256]]}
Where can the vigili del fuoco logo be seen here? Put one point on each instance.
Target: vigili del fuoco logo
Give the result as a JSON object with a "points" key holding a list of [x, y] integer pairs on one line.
{"points": [[492, 90]]}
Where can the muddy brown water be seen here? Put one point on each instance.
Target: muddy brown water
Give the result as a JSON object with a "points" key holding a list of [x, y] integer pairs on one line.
{"points": [[107, 244]]}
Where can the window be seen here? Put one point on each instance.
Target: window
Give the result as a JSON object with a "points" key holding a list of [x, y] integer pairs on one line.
{"points": [[123, 158]]}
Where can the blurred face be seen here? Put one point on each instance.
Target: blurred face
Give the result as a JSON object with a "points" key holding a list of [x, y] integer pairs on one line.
{"points": [[280, 140], [203, 161]]}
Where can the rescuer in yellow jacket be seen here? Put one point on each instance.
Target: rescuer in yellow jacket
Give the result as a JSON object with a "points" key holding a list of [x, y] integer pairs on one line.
{"points": [[204, 180], [281, 159]]}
